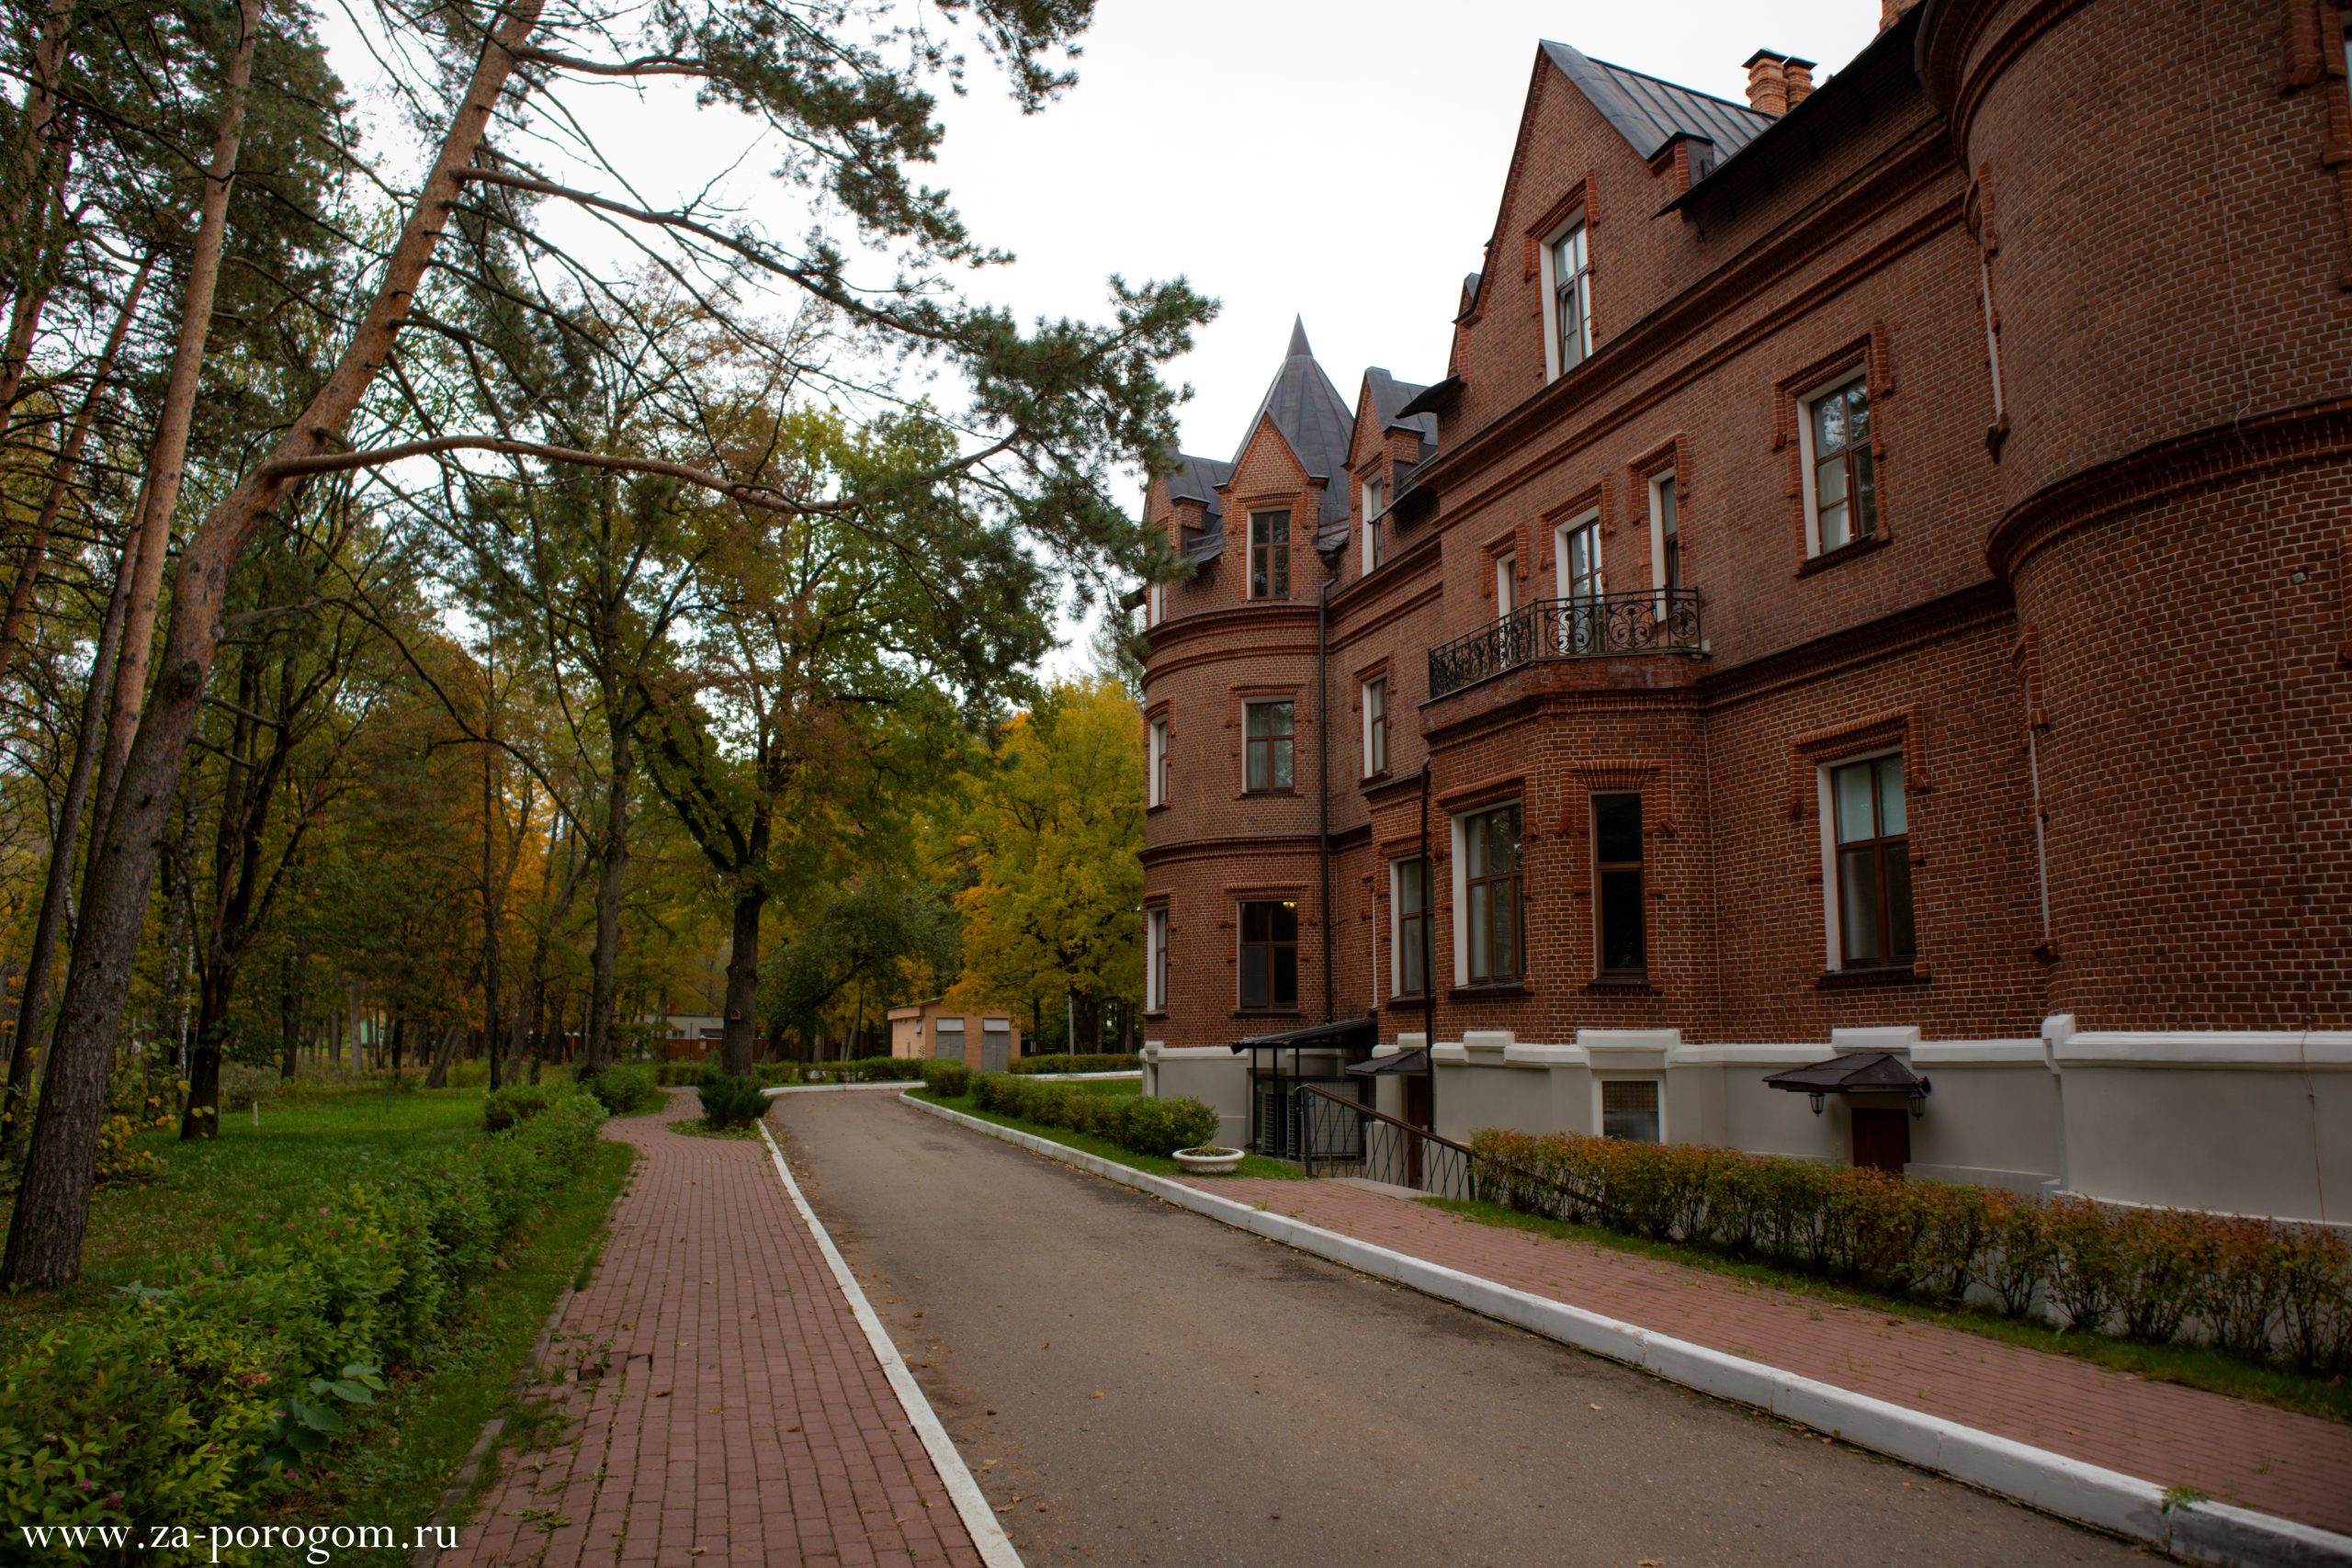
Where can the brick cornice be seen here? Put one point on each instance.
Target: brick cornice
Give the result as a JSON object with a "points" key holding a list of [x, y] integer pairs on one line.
{"points": [[2284, 438], [1954, 32], [1857, 646], [1218, 848]]}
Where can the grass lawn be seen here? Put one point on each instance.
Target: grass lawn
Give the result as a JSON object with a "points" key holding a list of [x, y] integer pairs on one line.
{"points": [[1252, 1164], [2193, 1365], [247, 1179]]}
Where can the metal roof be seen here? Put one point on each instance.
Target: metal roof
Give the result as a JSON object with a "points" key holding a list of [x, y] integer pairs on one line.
{"points": [[1312, 419], [1855, 1072], [1196, 479], [1339, 1031], [1389, 395], [1649, 113]]}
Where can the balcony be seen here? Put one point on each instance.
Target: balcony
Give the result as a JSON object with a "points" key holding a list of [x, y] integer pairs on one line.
{"points": [[1597, 627]]}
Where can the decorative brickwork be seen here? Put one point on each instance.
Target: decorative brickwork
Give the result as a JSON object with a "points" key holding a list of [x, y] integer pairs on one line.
{"points": [[2127, 579]]}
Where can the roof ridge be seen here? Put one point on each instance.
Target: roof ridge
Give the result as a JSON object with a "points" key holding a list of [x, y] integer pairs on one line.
{"points": [[1680, 86]]}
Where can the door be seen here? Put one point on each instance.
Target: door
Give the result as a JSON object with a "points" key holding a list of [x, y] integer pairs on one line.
{"points": [[947, 1045], [996, 1044], [1881, 1140], [1416, 1111]]}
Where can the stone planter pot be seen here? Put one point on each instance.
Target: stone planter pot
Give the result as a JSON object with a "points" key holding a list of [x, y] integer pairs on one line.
{"points": [[1209, 1161]]}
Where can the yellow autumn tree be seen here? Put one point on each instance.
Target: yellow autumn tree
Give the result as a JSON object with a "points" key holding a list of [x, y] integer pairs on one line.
{"points": [[1055, 834]]}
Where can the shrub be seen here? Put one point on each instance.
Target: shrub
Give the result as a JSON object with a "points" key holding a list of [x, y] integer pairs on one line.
{"points": [[624, 1090], [1146, 1124], [731, 1101], [1112, 1062], [953, 1080], [2255, 1288], [678, 1075], [515, 1104], [204, 1398]]}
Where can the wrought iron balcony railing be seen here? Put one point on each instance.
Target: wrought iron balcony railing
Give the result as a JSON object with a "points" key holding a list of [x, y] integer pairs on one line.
{"points": [[1645, 622]]}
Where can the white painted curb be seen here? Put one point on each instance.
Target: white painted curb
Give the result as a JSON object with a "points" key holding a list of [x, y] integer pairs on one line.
{"points": [[979, 1520], [2108, 1500], [901, 1084]]}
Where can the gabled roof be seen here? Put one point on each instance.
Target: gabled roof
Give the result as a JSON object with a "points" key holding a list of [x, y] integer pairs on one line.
{"points": [[1389, 395], [1649, 113], [1196, 479], [1311, 418]]}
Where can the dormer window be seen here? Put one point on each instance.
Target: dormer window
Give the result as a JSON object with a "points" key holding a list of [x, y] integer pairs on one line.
{"points": [[1375, 539], [1270, 555], [1568, 282]]}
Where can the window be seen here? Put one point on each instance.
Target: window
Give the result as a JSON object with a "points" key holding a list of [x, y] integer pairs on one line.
{"points": [[1270, 955], [1270, 737], [1376, 726], [1840, 487], [1155, 969], [1623, 936], [1375, 536], [1873, 869], [1629, 1110], [1270, 555], [1666, 534], [1408, 929], [1506, 582], [1158, 762], [1578, 557], [1492, 896], [1155, 603], [1571, 284]]}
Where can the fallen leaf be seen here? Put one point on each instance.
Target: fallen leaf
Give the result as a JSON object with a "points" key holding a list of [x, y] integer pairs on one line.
{"points": [[1096, 1394], [1596, 1408]]}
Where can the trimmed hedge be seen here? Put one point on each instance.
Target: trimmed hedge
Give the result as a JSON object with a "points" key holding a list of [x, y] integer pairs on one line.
{"points": [[951, 1078], [2257, 1289], [1145, 1124], [203, 1399], [1112, 1062], [677, 1074], [858, 1069]]}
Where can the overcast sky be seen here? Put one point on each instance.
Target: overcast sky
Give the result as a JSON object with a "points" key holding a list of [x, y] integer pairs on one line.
{"points": [[1338, 160]]}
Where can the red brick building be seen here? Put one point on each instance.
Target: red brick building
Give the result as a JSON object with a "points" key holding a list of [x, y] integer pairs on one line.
{"points": [[1877, 558]]}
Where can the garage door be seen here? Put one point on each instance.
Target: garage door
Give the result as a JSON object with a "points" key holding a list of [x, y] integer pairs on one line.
{"points": [[948, 1044], [996, 1044]]}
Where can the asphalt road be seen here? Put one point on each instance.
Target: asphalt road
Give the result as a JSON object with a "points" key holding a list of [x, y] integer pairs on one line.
{"points": [[1133, 1383]]}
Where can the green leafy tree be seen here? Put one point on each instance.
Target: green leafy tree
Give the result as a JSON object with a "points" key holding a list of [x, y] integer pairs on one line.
{"points": [[1055, 834]]}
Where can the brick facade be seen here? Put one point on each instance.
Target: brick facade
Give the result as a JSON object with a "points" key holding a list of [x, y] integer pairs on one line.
{"points": [[2094, 278]]}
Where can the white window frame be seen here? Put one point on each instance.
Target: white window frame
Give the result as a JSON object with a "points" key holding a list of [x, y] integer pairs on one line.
{"points": [[1458, 875], [1663, 490], [1281, 516], [1154, 959], [1375, 507], [1547, 265], [1373, 766], [1833, 930], [1806, 460], [1155, 603], [1156, 760], [1649, 1077], [1506, 583], [1992, 330], [1560, 554]]}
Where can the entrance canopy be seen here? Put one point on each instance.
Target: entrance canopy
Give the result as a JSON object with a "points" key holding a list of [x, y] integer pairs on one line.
{"points": [[1855, 1072], [1416, 1060], [1362, 1033]]}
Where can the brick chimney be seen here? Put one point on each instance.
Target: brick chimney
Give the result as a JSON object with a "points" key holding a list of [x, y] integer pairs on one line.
{"points": [[1891, 12], [1768, 82], [1800, 75]]}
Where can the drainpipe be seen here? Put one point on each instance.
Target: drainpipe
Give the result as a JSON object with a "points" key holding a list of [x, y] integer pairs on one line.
{"points": [[1323, 770], [1429, 945]]}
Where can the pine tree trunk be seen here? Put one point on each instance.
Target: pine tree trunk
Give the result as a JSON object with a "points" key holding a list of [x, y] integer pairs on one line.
{"points": [[58, 889], [611, 875], [52, 1209]]}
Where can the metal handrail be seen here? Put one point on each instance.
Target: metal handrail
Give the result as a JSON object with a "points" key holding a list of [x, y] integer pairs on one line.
{"points": [[1642, 621], [1347, 1137]]}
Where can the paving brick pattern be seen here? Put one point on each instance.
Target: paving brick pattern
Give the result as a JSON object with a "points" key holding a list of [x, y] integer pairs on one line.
{"points": [[721, 1403], [2256, 1456]]}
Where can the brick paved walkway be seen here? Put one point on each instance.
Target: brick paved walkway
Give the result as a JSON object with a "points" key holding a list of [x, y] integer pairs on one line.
{"points": [[2253, 1455], [721, 1404]]}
